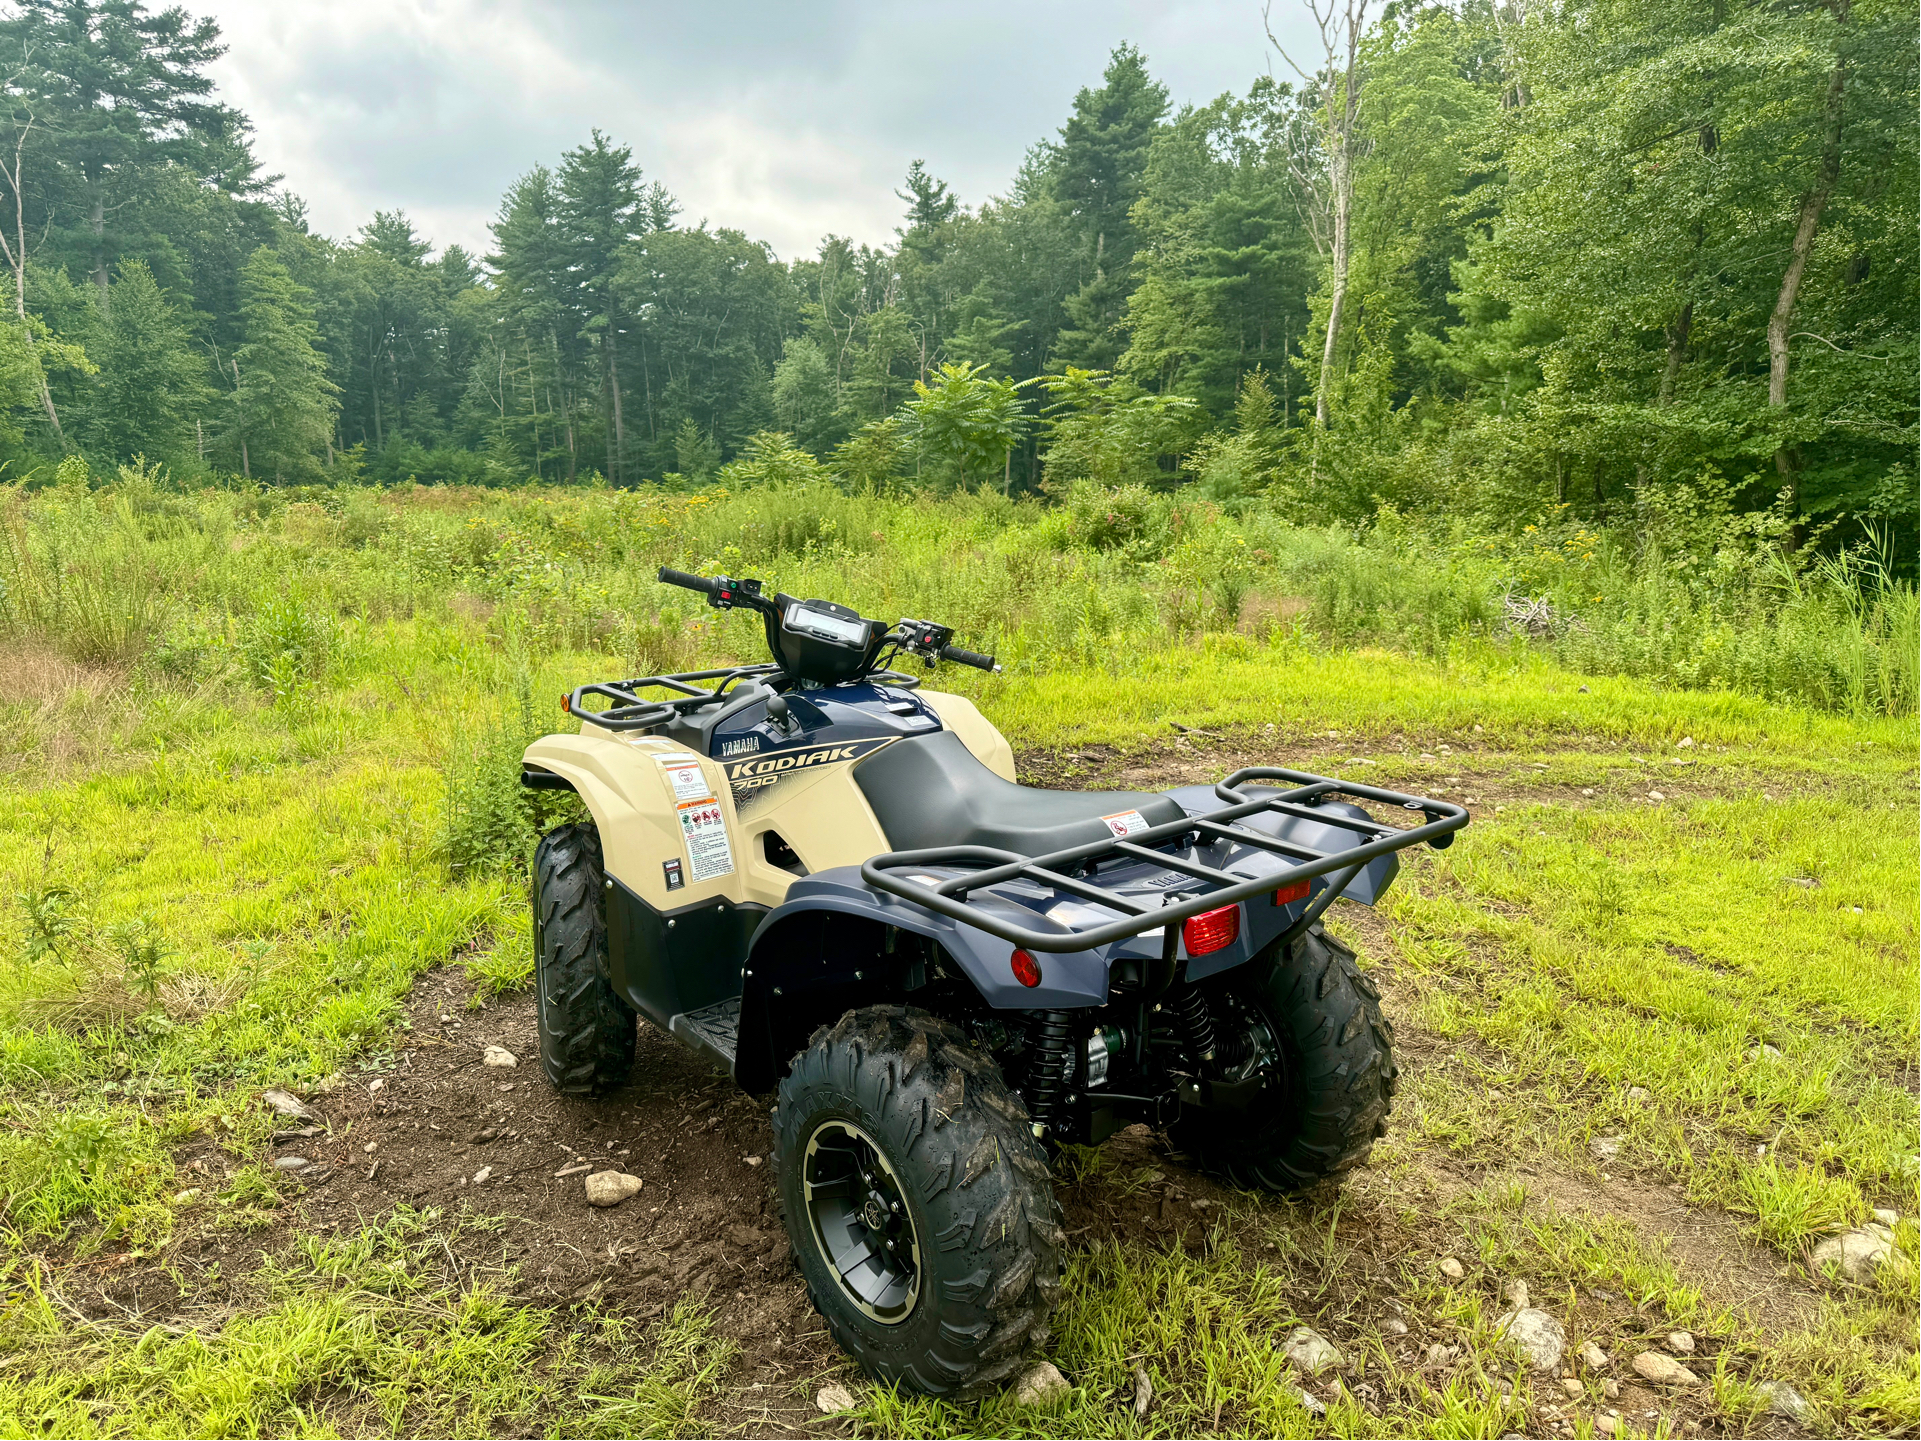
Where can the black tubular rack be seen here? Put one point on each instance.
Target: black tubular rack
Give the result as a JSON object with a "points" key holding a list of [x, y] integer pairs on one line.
{"points": [[1072, 870], [632, 711]]}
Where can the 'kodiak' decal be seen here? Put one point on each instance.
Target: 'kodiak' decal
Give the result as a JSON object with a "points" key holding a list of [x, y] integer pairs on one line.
{"points": [[753, 780]]}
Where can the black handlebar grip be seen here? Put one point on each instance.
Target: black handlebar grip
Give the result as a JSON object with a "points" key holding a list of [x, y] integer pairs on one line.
{"points": [[967, 657], [690, 582]]}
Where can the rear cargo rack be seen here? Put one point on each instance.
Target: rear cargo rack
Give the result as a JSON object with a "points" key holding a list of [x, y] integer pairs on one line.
{"points": [[1072, 871], [632, 711]]}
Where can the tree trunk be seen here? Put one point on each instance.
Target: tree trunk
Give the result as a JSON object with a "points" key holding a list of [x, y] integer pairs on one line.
{"points": [[618, 459], [1342, 184], [97, 221], [1813, 202], [1678, 329], [246, 468]]}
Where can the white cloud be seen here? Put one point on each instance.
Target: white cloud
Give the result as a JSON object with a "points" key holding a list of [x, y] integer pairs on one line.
{"points": [[786, 121]]}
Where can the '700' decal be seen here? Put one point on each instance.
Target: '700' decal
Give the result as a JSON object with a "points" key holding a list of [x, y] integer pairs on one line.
{"points": [[751, 779]]}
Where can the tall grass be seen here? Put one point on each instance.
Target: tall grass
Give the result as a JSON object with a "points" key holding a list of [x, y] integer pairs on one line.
{"points": [[255, 584]]}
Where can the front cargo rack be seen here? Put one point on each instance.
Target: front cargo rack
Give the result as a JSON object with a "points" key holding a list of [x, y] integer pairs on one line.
{"points": [[1072, 871], [632, 711]]}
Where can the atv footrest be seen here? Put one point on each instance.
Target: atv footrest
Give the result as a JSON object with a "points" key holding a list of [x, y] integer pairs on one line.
{"points": [[714, 1029]]}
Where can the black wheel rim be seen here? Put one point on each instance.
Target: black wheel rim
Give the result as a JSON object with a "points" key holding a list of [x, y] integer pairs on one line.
{"points": [[861, 1221]]}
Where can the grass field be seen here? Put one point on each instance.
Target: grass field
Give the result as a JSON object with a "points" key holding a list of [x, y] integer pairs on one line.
{"points": [[1657, 1009]]}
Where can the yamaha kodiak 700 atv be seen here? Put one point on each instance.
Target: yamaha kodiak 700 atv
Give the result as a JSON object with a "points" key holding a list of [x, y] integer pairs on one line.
{"points": [[827, 879]]}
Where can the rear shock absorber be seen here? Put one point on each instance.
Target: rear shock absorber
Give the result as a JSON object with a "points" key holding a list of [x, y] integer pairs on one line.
{"points": [[1051, 1068], [1197, 1028]]}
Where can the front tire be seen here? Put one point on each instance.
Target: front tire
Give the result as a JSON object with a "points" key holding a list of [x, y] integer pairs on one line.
{"points": [[586, 1029], [1331, 1071], [918, 1202]]}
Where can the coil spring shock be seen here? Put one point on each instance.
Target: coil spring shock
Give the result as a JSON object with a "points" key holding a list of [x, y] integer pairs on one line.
{"points": [[1197, 1028], [1048, 1073]]}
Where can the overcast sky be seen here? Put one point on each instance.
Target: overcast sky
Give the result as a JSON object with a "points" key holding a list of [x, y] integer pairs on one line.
{"points": [[788, 121]]}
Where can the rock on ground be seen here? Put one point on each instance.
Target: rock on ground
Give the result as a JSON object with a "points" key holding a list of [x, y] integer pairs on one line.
{"points": [[1681, 1343], [1784, 1400], [1452, 1269], [610, 1188], [1606, 1148], [1309, 1402], [1312, 1352], [291, 1163], [833, 1398], [285, 1103], [1663, 1370], [1640, 1095], [499, 1056], [1593, 1357], [1393, 1326], [1040, 1383], [1857, 1253], [1887, 1217], [1538, 1336]]}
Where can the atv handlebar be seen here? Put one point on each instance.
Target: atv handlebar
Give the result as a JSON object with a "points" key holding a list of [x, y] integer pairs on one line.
{"points": [[968, 657], [687, 582]]}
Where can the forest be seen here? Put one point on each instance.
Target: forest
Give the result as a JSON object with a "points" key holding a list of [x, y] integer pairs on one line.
{"points": [[1601, 264]]}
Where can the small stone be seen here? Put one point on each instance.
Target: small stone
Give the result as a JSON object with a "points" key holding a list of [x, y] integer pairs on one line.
{"points": [[1537, 1335], [1039, 1383], [1606, 1148], [751, 1160], [1312, 1352], [1452, 1269], [186, 1197], [482, 1174], [499, 1056], [1593, 1357], [376, 1085], [1686, 743], [833, 1398], [1857, 1253], [1640, 1095], [1764, 1052], [1393, 1326], [285, 1103], [1587, 790], [1439, 1355], [1681, 1343], [1575, 1390], [370, 1148], [610, 1188], [1806, 883], [1784, 1400], [1516, 1294], [1887, 1217], [1611, 1389], [1656, 796], [291, 1163], [1607, 1423], [1663, 1370]]}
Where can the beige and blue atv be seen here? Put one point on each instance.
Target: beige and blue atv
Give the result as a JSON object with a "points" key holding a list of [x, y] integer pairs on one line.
{"points": [[827, 878]]}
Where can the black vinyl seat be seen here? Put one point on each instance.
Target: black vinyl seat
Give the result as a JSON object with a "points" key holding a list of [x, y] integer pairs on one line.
{"points": [[929, 791]]}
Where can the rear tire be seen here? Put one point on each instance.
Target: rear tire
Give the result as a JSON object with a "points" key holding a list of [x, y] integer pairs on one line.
{"points": [[918, 1202], [586, 1029], [1333, 1075]]}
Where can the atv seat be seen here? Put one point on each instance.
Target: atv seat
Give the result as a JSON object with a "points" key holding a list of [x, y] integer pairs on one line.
{"points": [[929, 791]]}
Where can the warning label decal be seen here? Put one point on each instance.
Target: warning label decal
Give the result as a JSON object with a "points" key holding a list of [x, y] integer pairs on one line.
{"points": [[684, 774], [703, 828], [1126, 823]]}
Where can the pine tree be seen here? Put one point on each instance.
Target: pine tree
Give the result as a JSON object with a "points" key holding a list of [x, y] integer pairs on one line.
{"points": [[152, 385], [282, 407]]}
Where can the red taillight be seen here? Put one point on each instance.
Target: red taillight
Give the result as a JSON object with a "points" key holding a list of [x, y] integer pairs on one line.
{"points": [[1027, 970], [1286, 895], [1212, 930]]}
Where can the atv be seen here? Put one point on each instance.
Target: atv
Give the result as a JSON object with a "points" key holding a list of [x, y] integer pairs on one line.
{"points": [[827, 879]]}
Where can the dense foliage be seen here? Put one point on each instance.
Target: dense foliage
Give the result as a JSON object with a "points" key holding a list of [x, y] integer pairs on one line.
{"points": [[1597, 261]]}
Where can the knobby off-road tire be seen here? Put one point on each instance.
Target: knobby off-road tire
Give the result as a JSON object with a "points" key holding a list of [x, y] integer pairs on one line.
{"points": [[901, 1095], [1333, 1081], [586, 1030]]}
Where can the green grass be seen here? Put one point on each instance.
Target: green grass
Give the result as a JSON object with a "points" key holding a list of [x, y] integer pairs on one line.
{"points": [[273, 787]]}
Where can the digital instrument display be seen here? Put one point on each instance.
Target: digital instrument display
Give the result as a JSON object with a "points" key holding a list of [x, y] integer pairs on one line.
{"points": [[828, 627]]}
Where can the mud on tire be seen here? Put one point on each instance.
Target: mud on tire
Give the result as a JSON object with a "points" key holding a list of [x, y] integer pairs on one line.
{"points": [[586, 1030], [975, 1194], [1336, 1075]]}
